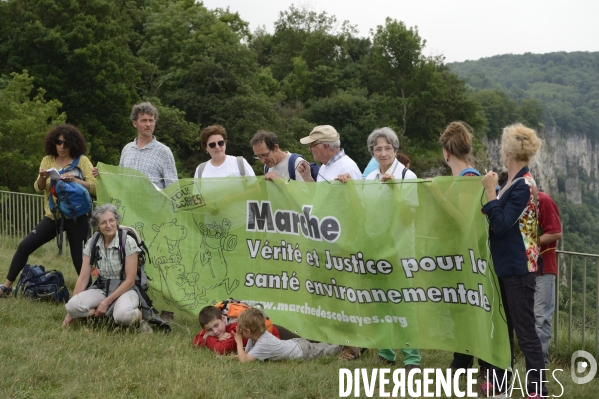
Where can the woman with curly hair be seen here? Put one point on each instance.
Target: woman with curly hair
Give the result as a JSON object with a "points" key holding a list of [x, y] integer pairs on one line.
{"points": [[64, 144]]}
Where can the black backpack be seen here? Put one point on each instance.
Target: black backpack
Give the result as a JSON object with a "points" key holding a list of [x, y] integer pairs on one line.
{"points": [[38, 284], [291, 167]]}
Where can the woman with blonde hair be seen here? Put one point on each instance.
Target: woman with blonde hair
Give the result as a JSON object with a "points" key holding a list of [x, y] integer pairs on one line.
{"points": [[512, 214]]}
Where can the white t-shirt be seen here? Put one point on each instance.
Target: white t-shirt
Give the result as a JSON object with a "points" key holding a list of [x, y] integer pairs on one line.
{"points": [[229, 168], [343, 165], [214, 190], [386, 201], [282, 168], [396, 170], [270, 347]]}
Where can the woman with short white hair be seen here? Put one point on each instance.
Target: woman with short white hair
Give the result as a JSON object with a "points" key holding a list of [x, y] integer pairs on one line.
{"points": [[112, 294]]}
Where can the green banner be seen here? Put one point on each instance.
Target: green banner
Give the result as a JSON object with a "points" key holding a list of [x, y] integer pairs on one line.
{"points": [[369, 264]]}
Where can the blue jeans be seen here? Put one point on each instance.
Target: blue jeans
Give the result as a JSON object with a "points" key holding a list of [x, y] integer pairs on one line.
{"points": [[544, 308]]}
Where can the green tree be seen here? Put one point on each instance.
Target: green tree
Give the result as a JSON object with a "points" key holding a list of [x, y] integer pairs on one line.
{"points": [[530, 112], [354, 115], [79, 51], [329, 54], [196, 63], [423, 93], [499, 111], [181, 136], [25, 118]]}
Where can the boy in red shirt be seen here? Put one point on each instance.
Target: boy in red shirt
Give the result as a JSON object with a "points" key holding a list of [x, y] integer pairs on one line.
{"points": [[216, 334]]}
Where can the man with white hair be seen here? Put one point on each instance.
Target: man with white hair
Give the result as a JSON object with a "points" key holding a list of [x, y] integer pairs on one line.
{"points": [[326, 148]]}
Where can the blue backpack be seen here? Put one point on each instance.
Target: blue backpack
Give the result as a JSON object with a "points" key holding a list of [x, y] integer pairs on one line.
{"points": [[38, 284], [291, 167], [73, 200]]}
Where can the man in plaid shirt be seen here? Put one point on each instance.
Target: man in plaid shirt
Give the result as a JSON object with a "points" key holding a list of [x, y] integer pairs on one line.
{"points": [[145, 153]]}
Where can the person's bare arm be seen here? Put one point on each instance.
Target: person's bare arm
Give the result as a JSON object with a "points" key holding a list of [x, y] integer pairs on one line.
{"points": [[550, 238], [242, 355]]}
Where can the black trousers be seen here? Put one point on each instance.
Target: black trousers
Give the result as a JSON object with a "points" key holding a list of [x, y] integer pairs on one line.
{"points": [[77, 234], [285, 333], [518, 296]]}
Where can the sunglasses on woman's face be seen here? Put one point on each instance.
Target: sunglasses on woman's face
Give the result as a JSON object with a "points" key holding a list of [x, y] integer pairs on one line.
{"points": [[213, 144], [60, 142]]}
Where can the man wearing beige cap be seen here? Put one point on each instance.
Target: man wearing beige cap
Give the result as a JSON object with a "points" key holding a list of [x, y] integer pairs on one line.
{"points": [[326, 148]]}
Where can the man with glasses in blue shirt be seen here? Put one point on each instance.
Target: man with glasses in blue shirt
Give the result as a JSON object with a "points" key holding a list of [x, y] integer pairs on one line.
{"points": [[276, 161]]}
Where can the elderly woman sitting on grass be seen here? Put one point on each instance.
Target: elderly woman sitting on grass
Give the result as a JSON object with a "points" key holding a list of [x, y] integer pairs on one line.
{"points": [[112, 294]]}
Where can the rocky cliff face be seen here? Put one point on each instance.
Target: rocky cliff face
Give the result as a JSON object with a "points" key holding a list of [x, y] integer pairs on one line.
{"points": [[565, 159]]}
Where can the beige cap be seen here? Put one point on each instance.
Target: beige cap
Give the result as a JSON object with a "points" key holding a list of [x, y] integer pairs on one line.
{"points": [[321, 133]]}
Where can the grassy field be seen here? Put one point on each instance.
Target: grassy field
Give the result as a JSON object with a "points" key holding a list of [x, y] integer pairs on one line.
{"points": [[41, 360]]}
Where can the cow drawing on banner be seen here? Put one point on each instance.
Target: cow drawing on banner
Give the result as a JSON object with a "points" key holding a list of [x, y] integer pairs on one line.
{"points": [[119, 206], [175, 282], [210, 260]]}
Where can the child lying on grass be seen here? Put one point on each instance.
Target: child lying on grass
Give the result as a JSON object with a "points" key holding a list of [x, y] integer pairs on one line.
{"points": [[216, 335], [262, 345]]}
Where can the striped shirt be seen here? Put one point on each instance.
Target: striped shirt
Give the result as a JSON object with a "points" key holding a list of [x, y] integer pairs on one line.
{"points": [[155, 160], [109, 265]]}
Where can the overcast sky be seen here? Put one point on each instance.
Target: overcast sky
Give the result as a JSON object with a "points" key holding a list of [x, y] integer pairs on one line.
{"points": [[459, 29]]}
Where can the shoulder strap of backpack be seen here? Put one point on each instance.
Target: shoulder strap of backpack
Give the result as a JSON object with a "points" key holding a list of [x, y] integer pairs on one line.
{"points": [[122, 233], [241, 166], [291, 165], [403, 173], [72, 165], [93, 257], [201, 169]]}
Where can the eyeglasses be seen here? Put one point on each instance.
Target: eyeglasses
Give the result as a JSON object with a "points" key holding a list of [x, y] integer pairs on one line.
{"points": [[60, 142], [314, 144], [214, 143], [263, 156], [107, 222], [380, 150]]}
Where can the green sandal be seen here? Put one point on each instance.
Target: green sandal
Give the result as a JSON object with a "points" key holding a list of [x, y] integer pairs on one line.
{"points": [[5, 291]]}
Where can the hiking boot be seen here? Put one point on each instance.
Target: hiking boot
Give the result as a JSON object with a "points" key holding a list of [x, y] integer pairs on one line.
{"points": [[145, 327]]}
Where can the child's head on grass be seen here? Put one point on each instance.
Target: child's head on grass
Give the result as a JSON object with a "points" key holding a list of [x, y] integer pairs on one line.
{"points": [[213, 321], [252, 320]]}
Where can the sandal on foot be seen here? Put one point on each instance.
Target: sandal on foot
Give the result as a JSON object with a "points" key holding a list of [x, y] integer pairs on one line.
{"points": [[5, 291]]}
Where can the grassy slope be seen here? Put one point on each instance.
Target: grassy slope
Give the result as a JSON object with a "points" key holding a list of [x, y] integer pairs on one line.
{"points": [[41, 360]]}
